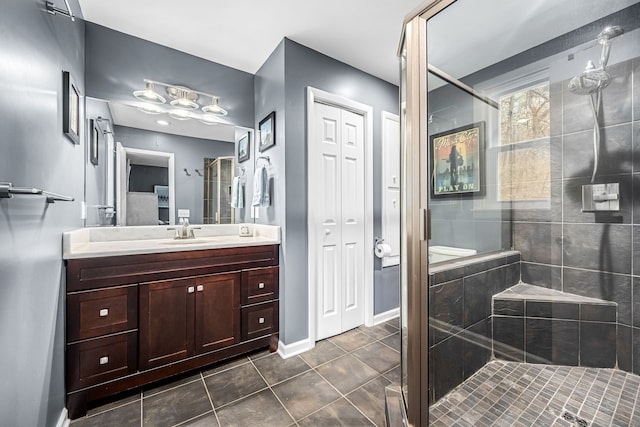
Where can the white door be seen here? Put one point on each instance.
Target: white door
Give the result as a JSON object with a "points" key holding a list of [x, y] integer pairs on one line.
{"points": [[336, 166]]}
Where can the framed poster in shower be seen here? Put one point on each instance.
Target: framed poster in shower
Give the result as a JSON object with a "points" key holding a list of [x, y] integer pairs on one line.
{"points": [[457, 161]]}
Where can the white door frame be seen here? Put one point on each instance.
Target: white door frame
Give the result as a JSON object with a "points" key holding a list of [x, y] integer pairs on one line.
{"points": [[316, 95]]}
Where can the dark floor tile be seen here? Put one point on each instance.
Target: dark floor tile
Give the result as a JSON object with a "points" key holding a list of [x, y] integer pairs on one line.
{"points": [[340, 413], [347, 373], [170, 383], [323, 352], [275, 369], [394, 375], [370, 399], [176, 405], [392, 341], [351, 340], [227, 386], [258, 354], [305, 394], [260, 409], [223, 366], [113, 402], [394, 323], [123, 416], [378, 356], [378, 331], [207, 420]]}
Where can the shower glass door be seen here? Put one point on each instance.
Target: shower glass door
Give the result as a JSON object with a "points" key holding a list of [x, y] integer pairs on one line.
{"points": [[520, 136]]}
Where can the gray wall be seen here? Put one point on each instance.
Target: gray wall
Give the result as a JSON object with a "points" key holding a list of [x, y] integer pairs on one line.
{"points": [[117, 64], [286, 94], [189, 153], [36, 47], [96, 175]]}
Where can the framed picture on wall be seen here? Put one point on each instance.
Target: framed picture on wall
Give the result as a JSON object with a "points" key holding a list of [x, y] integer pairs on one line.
{"points": [[70, 108], [94, 141], [267, 129], [457, 157], [244, 147]]}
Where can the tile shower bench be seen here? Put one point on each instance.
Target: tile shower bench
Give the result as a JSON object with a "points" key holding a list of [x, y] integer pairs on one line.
{"points": [[539, 325]]}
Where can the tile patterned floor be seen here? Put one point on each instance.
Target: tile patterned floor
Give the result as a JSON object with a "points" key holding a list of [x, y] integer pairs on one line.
{"points": [[523, 395], [340, 382]]}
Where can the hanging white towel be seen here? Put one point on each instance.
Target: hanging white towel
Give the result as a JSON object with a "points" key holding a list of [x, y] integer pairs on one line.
{"points": [[261, 188], [237, 193]]}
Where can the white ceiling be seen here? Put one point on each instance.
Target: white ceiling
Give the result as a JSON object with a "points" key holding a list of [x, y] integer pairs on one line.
{"points": [[243, 33]]}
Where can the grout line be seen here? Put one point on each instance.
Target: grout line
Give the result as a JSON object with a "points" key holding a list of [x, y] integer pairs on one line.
{"points": [[213, 408], [274, 393]]}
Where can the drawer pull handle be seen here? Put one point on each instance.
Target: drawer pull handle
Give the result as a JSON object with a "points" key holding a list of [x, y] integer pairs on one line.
{"points": [[191, 289], [200, 288], [261, 320], [104, 360], [104, 312], [261, 285]]}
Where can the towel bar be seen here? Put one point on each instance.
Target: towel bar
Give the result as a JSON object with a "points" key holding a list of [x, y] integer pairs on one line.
{"points": [[7, 190]]}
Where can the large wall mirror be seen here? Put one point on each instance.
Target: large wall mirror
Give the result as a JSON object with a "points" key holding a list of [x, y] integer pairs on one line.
{"points": [[164, 148]]}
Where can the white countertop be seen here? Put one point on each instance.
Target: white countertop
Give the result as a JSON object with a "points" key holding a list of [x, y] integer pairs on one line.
{"points": [[94, 242]]}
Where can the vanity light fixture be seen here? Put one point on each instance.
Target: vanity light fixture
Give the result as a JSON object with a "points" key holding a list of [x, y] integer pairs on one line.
{"points": [[180, 114], [183, 97], [149, 94], [208, 119], [214, 108], [151, 109]]}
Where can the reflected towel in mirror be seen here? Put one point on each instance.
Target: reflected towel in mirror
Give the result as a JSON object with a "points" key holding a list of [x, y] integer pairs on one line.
{"points": [[261, 188], [237, 193]]}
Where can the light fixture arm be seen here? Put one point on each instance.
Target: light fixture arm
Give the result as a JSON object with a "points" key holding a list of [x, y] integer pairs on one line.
{"points": [[52, 9], [179, 88]]}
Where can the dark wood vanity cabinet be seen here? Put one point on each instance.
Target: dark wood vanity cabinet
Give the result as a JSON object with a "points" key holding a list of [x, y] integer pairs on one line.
{"points": [[135, 319]]}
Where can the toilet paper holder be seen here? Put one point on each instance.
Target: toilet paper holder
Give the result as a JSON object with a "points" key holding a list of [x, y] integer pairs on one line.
{"points": [[378, 240]]}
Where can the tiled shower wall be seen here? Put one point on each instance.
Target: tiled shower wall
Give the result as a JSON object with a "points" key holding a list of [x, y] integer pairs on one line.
{"points": [[460, 316], [593, 255]]}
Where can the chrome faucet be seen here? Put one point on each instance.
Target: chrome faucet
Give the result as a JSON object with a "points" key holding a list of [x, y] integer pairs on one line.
{"points": [[185, 231]]}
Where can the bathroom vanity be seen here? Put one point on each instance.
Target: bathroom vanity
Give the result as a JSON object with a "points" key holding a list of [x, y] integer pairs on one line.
{"points": [[142, 306]]}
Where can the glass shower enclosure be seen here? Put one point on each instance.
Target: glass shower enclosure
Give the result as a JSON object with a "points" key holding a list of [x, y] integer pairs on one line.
{"points": [[520, 130]]}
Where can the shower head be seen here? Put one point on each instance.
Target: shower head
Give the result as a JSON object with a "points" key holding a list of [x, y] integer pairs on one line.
{"points": [[609, 33], [589, 81], [604, 38]]}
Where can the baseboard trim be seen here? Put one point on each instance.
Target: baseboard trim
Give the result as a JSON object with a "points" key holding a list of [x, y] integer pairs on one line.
{"points": [[63, 420], [289, 350], [387, 315]]}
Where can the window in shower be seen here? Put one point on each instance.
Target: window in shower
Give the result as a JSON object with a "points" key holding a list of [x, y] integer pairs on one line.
{"points": [[524, 171]]}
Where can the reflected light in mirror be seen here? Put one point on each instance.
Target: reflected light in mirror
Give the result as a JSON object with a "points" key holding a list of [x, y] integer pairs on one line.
{"points": [[163, 122]]}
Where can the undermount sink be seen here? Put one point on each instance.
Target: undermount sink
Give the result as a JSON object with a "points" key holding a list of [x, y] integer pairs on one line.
{"points": [[187, 241]]}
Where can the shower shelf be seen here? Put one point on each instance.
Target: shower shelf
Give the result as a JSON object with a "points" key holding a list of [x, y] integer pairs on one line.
{"points": [[7, 191]]}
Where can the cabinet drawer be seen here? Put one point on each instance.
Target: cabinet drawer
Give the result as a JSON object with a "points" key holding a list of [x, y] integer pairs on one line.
{"points": [[259, 320], [102, 359], [260, 284], [107, 311]]}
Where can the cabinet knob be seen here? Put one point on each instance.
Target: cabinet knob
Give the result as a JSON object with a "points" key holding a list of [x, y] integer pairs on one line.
{"points": [[191, 289], [261, 320], [104, 360], [200, 288], [261, 285], [104, 312]]}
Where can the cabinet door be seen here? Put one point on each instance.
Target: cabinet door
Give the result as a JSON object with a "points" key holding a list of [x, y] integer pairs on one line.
{"points": [[217, 311], [166, 321]]}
